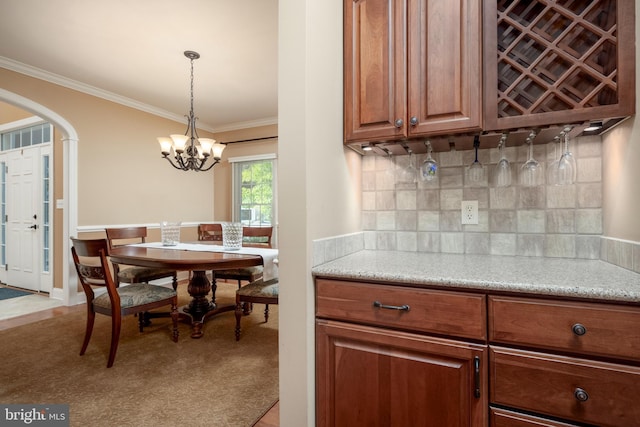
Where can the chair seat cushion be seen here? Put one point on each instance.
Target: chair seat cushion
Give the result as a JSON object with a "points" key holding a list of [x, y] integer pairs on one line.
{"points": [[239, 272], [142, 274], [136, 294], [259, 288]]}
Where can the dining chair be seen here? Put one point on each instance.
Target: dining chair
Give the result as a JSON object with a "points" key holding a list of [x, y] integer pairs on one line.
{"points": [[134, 274], [92, 266], [255, 292], [251, 237]]}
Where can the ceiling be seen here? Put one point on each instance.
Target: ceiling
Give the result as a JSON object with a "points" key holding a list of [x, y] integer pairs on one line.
{"points": [[131, 51]]}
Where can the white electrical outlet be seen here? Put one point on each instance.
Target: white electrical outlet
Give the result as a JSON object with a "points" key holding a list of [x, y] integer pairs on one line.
{"points": [[470, 212]]}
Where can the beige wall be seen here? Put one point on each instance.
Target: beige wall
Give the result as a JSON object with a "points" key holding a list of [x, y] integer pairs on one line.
{"points": [[9, 113], [621, 181], [621, 170], [122, 178]]}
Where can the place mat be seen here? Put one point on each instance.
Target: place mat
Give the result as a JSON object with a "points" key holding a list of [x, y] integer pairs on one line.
{"points": [[269, 256]]}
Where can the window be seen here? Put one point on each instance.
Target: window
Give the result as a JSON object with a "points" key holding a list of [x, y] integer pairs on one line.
{"points": [[46, 213], [26, 137], [254, 195]]}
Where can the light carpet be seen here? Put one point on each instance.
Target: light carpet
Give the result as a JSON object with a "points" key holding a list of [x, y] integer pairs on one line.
{"points": [[212, 381]]}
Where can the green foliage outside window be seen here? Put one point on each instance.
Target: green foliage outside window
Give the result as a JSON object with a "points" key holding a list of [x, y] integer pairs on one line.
{"points": [[257, 193]]}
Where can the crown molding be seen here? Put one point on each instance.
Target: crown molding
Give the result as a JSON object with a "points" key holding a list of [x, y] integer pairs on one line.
{"points": [[57, 79]]}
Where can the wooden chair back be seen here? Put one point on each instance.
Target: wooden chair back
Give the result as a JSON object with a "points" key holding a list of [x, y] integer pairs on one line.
{"points": [[257, 237], [92, 266], [210, 232], [127, 235]]}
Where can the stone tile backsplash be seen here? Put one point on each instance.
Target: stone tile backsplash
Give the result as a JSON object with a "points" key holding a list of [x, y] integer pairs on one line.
{"points": [[547, 220], [563, 221]]}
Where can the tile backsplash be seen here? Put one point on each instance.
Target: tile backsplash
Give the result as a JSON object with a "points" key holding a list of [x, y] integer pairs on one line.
{"points": [[546, 220]]}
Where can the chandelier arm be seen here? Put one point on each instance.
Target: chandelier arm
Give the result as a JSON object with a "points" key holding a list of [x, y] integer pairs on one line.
{"points": [[171, 162], [210, 166]]}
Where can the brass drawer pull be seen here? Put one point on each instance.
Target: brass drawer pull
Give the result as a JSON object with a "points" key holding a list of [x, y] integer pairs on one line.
{"points": [[579, 329], [581, 395], [378, 304]]}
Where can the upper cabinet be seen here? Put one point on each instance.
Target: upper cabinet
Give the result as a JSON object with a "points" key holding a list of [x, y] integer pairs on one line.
{"points": [[549, 63], [411, 68]]}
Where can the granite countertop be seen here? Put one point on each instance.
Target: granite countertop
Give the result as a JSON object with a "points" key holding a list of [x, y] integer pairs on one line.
{"points": [[575, 278]]}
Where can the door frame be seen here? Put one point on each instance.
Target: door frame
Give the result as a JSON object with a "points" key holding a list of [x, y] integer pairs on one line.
{"points": [[69, 204]]}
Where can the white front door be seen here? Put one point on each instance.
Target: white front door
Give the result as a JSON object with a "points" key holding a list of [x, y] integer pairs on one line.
{"points": [[27, 208]]}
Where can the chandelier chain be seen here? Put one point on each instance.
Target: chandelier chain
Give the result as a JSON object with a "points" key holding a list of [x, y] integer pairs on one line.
{"points": [[192, 86]]}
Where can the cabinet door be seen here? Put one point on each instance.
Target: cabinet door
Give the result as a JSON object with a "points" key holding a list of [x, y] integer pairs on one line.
{"points": [[376, 377], [374, 69], [445, 66]]}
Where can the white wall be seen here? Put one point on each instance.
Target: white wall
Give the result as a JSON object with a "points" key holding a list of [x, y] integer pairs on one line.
{"points": [[318, 183]]}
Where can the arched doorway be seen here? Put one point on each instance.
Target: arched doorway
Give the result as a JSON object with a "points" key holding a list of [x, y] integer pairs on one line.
{"points": [[68, 294]]}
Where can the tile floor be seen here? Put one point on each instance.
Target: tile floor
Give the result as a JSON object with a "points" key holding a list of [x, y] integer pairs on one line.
{"points": [[20, 306]]}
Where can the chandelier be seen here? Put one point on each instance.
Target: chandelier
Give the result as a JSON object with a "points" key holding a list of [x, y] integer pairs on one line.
{"points": [[190, 152]]}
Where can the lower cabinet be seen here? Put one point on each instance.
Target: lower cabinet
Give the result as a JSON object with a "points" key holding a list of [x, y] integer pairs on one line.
{"points": [[369, 376], [573, 361], [399, 355], [586, 391]]}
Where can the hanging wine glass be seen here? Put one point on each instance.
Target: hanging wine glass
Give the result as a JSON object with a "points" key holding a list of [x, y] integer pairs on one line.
{"points": [[552, 170], [409, 174], [566, 165], [502, 173], [475, 172], [429, 168], [531, 172]]}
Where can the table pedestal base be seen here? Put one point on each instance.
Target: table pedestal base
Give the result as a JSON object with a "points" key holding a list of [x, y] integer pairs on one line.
{"points": [[200, 308]]}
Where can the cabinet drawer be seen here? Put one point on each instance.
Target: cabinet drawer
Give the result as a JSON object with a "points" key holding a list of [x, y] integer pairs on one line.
{"points": [[584, 328], [576, 389], [503, 418], [449, 313]]}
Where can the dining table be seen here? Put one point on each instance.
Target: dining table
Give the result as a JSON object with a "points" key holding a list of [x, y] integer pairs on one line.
{"points": [[198, 258]]}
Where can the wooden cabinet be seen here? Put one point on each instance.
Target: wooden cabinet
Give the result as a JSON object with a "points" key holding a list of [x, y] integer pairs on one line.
{"points": [[411, 68], [605, 330], [502, 418], [373, 369], [549, 63], [568, 360], [394, 354]]}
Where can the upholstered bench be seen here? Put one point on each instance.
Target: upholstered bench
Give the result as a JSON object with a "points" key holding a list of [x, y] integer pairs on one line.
{"points": [[260, 292]]}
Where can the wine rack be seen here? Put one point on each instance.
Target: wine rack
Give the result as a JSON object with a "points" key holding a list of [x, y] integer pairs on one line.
{"points": [[549, 62]]}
